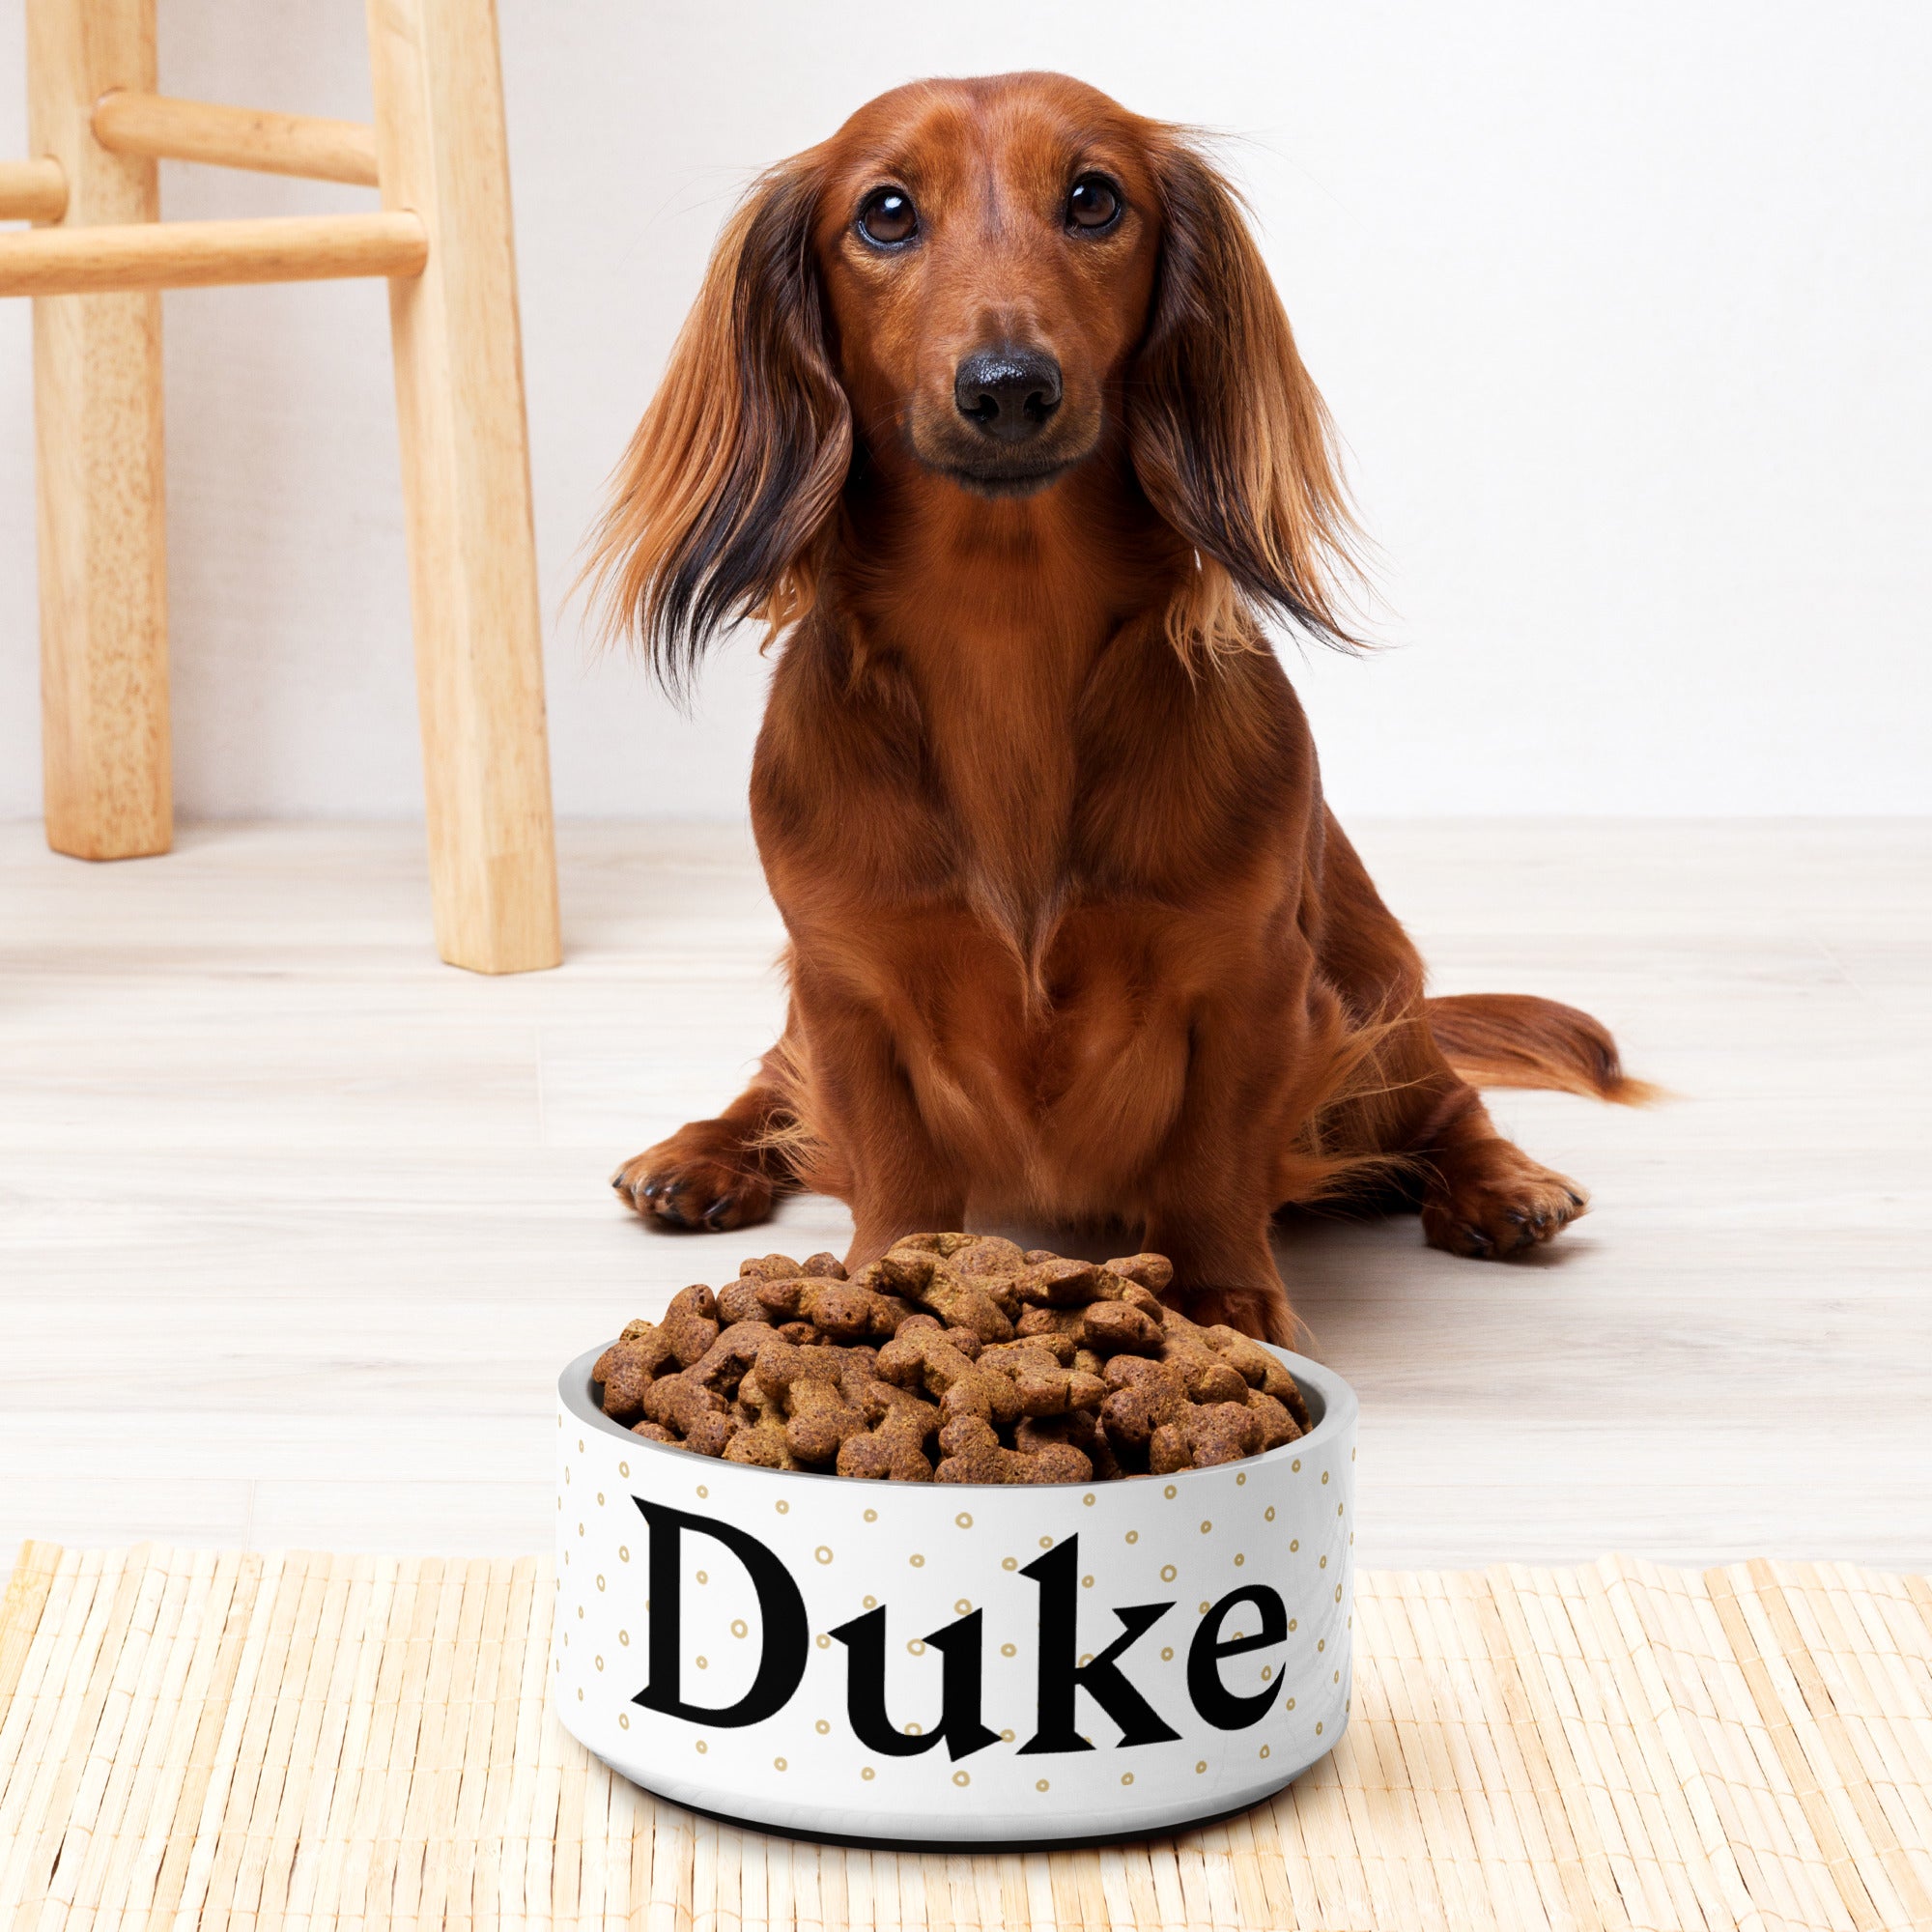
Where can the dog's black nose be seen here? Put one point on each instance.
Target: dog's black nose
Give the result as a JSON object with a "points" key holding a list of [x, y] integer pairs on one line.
{"points": [[1009, 393]]}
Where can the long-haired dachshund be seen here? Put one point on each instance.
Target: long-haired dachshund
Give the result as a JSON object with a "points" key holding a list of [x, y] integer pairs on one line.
{"points": [[989, 410]]}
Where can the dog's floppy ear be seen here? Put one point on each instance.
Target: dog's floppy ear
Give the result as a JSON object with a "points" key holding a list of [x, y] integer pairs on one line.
{"points": [[1229, 437], [719, 505]]}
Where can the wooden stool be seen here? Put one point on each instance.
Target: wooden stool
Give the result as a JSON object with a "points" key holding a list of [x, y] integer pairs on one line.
{"points": [[442, 238]]}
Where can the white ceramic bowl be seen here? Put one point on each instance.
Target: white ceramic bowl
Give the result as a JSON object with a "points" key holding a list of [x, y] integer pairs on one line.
{"points": [[924, 1662]]}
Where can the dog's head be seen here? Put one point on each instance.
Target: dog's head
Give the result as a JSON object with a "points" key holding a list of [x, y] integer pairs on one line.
{"points": [[988, 251], [977, 286]]}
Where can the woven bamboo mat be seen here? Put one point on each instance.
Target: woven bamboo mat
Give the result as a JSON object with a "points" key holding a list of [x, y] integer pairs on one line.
{"points": [[247, 1741]]}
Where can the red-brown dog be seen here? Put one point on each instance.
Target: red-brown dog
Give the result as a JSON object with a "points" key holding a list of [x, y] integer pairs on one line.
{"points": [[990, 407]]}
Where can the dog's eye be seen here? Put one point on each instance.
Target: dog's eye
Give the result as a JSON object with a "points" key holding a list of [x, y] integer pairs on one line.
{"points": [[1094, 203], [889, 217]]}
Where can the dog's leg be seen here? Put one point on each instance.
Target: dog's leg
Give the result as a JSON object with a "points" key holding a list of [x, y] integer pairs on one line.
{"points": [[1209, 1194], [1481, 1196], [1479, 1193], [881, 1157], [718, 1173], [1224, 1272]]}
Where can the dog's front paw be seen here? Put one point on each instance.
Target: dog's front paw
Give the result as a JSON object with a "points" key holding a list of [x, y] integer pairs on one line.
{"points": [[693, 1181], [1491, 1201]]}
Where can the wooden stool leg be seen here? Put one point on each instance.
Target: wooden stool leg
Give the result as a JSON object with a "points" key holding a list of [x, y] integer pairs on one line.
{"points": [[98, 435], [465, 479]]}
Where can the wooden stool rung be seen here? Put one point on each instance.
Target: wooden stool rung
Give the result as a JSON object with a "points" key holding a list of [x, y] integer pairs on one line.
{"points": [[32, 191], [201, 254], [128, 121]]}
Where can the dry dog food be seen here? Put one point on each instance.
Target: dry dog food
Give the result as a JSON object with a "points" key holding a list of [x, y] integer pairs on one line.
{"points": [[955, 1358]]}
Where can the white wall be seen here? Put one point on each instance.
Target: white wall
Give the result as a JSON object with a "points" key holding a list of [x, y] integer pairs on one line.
{"points": [[1622, 311]]}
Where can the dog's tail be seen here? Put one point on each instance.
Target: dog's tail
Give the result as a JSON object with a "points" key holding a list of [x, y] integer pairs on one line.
{"points": [[1514, 1039]]}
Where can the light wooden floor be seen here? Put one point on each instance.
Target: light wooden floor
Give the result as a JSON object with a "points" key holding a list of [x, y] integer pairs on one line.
{"points": [[297, 1225]]}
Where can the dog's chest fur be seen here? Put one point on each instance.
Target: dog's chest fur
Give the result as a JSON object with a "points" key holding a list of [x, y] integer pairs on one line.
{"points": [[1024, 877]]}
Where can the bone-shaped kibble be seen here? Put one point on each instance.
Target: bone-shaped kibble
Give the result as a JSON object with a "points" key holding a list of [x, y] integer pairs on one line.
{"points": [[1257, 1368], [1060, 1343], [819, 1418], [964, 1340], [628, 1367], [858, 1375], [894, 1449], [1169, 1450], [1066, 1284], [1065, 1328], [1207, 1433], [942, 1245], [757, 1401], [1027, 1350], [1078, 1428], [1153, 1272], [924, 1278], [761, 1443], [1277, 1421], [1029, 1366], [990, 1256], [739, 1301], [769, 1267], [725, 1364], [973, 1454], [991, 1264], [690, 1323], [675, 1399], [1207, 1375], [1036, 1324], [781, 1364], [922, 1359], [1146, 1395], [700, 1415], [1212, 1380], [845, 1310], [1119, 1328], [1042, 1384]]}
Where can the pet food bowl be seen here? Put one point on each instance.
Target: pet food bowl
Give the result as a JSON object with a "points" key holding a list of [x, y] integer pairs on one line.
{"points": [[930, 1663]]}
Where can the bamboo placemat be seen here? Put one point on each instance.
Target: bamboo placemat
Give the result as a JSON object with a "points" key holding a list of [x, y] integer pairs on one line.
{"points": [[254, 1739]]}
